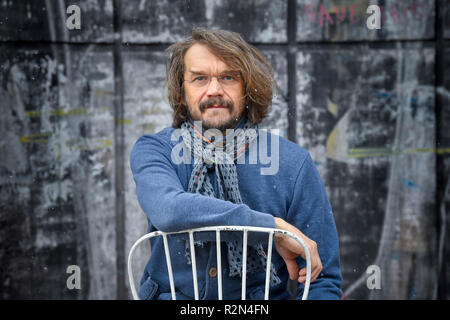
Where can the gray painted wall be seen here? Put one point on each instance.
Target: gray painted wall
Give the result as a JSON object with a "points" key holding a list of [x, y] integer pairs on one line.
{"points": [[371, 106]]}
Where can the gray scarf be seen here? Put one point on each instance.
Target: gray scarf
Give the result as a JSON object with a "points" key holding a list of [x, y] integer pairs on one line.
{"points": [[209, 156]]}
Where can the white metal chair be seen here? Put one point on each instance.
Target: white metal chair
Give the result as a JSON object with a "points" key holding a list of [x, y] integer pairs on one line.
{"points": [[218, 229]]}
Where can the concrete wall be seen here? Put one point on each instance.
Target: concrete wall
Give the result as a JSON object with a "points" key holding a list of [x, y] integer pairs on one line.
{"points": [[371, 106]]}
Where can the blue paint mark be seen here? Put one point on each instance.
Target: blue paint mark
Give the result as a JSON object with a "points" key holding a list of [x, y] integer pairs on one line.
{"points": [[383, 94], [395, 256], [409, 183], [386, 95]]}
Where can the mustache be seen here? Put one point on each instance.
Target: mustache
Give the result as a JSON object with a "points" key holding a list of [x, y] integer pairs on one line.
{"points": [[215, 101]]}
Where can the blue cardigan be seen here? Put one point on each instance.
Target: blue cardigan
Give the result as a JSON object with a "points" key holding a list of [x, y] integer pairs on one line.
{"points": [[294, 193]]}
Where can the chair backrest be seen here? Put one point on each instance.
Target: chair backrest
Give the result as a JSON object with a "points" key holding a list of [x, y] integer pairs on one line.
{"points": [[218, 230]]}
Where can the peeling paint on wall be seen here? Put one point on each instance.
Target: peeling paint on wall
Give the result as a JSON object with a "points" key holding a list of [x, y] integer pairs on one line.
{"points": [[373, 113]]}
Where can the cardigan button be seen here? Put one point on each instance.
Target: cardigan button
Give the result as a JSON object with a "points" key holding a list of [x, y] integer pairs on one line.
{"points": [[213, 272]]}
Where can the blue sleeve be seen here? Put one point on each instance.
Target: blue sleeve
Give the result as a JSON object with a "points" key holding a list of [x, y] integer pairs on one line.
{"points": [[168, 206], [310, 211]]}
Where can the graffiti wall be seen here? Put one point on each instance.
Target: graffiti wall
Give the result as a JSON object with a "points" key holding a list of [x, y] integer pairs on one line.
{"points": [[372, 106]]}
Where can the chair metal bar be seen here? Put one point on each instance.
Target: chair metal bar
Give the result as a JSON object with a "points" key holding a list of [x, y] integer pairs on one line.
{"points": [[169, 267], [218, 229], [194, 266], [219, 265], [130, 270], [268, 266]]}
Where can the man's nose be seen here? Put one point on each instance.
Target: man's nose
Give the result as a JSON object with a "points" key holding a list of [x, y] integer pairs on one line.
{"points": [[214, 88]]}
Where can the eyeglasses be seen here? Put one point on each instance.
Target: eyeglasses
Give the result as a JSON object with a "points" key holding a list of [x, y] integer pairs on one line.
{"points": [[226, 80]]}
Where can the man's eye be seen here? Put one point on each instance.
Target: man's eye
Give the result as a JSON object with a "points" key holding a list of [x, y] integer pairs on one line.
{"points": [[228, 78], [200, 78]]}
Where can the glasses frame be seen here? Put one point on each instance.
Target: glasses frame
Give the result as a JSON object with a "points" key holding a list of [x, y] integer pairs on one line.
{"points": [[219, 77]]}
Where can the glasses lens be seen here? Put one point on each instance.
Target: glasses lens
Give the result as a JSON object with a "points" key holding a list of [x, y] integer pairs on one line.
{"points": [[228, 80], [200, 81], [224, 79]]}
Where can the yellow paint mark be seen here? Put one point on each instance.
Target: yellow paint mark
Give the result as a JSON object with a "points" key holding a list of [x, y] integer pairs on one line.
{"points": [[60, 113], [70, 112], [332, 107], [36, 137], [106, 143], [337, 141], [332, 145], [443, 150], [368, 149], [420, 150], [78, 144], [58, 152], [33, 114], [123, 121], [383, 152]]}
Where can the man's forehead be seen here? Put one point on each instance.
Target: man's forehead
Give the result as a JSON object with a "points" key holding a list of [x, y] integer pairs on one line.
{"points": [[199, 58]]}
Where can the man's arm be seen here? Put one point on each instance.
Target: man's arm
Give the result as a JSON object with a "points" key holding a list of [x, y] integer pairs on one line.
{"points": [[289, 249], [310, 212], [168, 206]]}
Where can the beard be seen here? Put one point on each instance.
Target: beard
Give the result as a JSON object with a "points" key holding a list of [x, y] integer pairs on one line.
{"points": [[226, 123]]}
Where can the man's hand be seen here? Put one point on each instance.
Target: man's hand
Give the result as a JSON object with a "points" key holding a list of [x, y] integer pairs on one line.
{"points": [[289, 249]]}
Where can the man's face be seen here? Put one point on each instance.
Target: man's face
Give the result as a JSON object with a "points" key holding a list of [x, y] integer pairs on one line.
{"points": [[217, 105]]}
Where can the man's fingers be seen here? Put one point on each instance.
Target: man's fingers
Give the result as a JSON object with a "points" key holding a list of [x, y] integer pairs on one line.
{"points": [[289, 249], [302, 275], [292, 269], [315, 271]]}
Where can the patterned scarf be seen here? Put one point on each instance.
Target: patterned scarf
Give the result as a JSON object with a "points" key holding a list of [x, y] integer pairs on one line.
{"points": [[209, 156]]}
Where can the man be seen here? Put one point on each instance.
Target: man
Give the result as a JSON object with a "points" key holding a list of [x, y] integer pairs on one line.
{"points": [[218, 82]]}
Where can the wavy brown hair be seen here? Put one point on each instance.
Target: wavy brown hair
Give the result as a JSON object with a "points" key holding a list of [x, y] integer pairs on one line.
{"points": [[256, 71]]}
